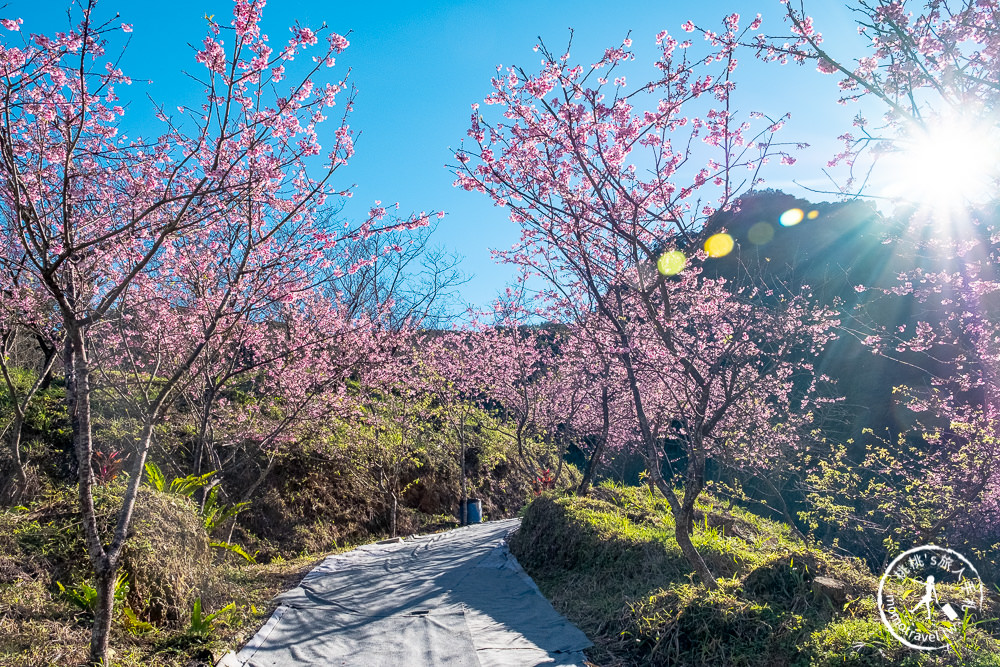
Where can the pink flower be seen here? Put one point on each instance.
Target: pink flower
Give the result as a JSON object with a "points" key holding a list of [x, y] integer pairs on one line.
{"points": [[867, 65], [825, 66], [338, 42], [213, 56], [304, 35]]}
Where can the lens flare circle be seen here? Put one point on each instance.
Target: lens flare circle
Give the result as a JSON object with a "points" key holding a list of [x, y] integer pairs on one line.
{"points": [[719, 245], [671, 263], [791, 217], [760, 233]]}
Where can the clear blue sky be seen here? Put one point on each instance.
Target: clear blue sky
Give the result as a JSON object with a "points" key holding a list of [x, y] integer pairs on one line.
{"points": [[419, 66]]}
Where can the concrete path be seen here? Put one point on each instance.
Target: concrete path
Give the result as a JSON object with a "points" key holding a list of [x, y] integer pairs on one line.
{"points": [[458, 599]]}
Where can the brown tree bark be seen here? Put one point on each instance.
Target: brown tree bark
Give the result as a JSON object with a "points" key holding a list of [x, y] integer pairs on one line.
{"points": [[595, 458]]}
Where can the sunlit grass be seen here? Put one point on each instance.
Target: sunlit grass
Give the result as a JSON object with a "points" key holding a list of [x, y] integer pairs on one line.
{"points": [[611, 563]]}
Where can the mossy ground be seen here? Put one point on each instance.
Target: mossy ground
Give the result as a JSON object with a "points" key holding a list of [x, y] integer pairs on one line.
{"points": [[610, 563]]}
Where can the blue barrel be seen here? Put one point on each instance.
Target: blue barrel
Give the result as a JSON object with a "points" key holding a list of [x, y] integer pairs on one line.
{"points": [[474, 510]]}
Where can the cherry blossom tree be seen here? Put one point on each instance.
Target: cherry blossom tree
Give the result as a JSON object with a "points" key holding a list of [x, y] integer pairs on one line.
{"points": [[611, 185], [605, 423], [554, 385], [24, 313], [522, 378], [496, 379], [932, 75], [108, 225]]}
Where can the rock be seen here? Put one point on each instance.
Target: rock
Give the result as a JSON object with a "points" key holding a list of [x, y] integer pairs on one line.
{"points": [[391, 540], [832, 589]]}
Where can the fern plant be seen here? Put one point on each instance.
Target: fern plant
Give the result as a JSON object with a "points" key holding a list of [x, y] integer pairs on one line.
{"points": [[84, 595], [202, 624], [214, 513], [236, 549], [185, 486]]}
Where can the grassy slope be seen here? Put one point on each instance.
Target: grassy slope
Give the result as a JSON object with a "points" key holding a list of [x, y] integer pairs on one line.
{"points": [[39, 628], [611, 565], [42, 544]]}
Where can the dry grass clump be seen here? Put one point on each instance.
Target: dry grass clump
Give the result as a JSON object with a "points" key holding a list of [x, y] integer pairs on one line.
{"points": [[168, 564], [167, 558]]}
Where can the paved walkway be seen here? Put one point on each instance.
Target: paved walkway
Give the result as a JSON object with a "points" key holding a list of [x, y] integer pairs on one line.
{"points": [[457, 599]]}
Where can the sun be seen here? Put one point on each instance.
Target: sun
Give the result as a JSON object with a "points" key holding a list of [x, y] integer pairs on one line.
{"points": [[949, 164]]}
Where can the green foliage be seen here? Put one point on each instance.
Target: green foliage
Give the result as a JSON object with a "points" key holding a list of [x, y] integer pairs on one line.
{"points": [[154, 477], [235, 549], [898, 496], [134, 625], [84, 595], [201, 625], [190, 484], [213, 512], [22, 379], [186, 486]]}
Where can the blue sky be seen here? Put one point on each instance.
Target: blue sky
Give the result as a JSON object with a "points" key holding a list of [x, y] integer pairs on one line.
{"points": [[419, 66]]}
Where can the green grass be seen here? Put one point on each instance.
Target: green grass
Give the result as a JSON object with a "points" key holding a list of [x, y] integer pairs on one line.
{"points": [[611, 564]]}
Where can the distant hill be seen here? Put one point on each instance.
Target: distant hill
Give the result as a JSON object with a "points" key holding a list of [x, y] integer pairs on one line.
{"points": [[831, 248]]}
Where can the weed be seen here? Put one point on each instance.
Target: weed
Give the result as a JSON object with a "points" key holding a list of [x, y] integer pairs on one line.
{"points": [[201, 625], [84, 595]]}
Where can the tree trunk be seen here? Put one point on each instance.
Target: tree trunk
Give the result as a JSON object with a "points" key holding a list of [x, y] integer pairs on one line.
{"points": [[103, 612], [592, 463], [78, 404], [198, 452], [683, 512], [49, 356], [463, 511], [19, 467], [12, 490], [595, 458], [683, 522], [392, 519]]}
